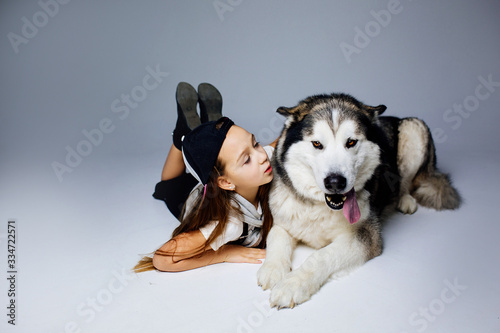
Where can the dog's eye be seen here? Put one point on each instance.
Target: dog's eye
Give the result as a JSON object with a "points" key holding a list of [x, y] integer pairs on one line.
{"points": [[317, 144], [351, 143]]}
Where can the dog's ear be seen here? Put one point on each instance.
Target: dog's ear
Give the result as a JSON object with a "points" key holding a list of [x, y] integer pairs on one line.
{"points": [[284, 111], [297, 112], [374, 111]]}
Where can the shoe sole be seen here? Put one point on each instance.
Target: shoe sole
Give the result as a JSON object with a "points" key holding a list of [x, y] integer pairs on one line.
{"points": [[187, 98], [210, 102]]}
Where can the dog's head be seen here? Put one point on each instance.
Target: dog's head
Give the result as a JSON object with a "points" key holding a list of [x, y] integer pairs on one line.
{"points": [[326, 151]]}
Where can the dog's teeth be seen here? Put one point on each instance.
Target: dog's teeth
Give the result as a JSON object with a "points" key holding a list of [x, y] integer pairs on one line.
{"points": [[343, 198]]}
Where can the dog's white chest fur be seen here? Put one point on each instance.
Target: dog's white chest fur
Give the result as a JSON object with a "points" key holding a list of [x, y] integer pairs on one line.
{"points": [[312, 223]]}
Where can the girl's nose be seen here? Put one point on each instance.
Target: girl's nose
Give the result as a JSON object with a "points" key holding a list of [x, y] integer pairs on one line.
{"points": [[262, 156]]}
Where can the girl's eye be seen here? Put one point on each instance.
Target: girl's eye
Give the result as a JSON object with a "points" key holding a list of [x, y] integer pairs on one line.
{"points": [[351, 143], [256, 144], [317, 144]]}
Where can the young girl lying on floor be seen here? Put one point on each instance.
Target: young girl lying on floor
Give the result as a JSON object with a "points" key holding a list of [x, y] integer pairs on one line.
{"points": [[222, 199]]}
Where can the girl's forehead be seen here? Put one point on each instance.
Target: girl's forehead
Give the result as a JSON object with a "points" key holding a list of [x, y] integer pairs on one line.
{"points": [[237, 141]]}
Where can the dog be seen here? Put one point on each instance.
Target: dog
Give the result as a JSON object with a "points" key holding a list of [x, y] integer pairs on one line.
{"points": [[340, 170]]}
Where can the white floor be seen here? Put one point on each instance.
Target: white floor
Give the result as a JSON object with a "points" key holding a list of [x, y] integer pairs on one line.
{"points": [[77, 240]]}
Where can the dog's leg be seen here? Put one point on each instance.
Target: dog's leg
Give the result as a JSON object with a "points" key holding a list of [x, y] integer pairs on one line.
{"points": [[341, 256], [278, 263], [412, 150]]}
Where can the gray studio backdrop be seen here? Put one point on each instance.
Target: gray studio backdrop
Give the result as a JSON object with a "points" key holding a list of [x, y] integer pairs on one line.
{"points": [[72, 68]]}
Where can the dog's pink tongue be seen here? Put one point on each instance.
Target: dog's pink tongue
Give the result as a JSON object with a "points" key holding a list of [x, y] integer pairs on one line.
{"points": [[351, 208]]}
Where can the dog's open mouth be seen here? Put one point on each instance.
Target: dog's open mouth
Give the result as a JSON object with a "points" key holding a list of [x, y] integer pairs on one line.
{"points": [[347, 202], [335, 201]]}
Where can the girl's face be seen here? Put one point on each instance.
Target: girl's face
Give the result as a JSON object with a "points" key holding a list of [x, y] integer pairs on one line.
{"points": [[246, 165]]}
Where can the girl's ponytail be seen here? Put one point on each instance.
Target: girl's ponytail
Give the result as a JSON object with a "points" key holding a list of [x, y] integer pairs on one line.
{"points": [[144, 265]]}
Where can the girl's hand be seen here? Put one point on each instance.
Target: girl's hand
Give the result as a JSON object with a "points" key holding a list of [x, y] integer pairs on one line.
{"points": [[241, 254]]}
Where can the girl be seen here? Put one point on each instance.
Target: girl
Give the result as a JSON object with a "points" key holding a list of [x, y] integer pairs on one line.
{"points": [[222, 199]]}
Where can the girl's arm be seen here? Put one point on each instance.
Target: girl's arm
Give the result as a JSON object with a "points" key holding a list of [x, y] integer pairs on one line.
{"points": [[186, 243]]}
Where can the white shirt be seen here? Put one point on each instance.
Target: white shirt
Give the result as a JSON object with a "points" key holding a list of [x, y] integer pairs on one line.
{"points": [[233, 231]]}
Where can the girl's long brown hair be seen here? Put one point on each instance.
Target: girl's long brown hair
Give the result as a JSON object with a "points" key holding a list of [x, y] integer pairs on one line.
{"points": [[215, 205]]}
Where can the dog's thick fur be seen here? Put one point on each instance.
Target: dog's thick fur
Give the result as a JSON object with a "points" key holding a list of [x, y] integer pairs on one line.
{"points": [[331, 144]]}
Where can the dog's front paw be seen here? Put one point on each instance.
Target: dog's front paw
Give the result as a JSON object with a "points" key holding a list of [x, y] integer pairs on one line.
{"points": [[407, 204], [291, 291], [270, 273]]}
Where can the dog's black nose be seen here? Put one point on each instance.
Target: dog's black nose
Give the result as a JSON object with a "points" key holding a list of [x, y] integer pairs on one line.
{"points": [[335, 183]]}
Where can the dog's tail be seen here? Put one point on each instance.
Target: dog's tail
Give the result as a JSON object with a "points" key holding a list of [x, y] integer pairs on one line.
{"points": [[431, 187], [434, 190]]}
